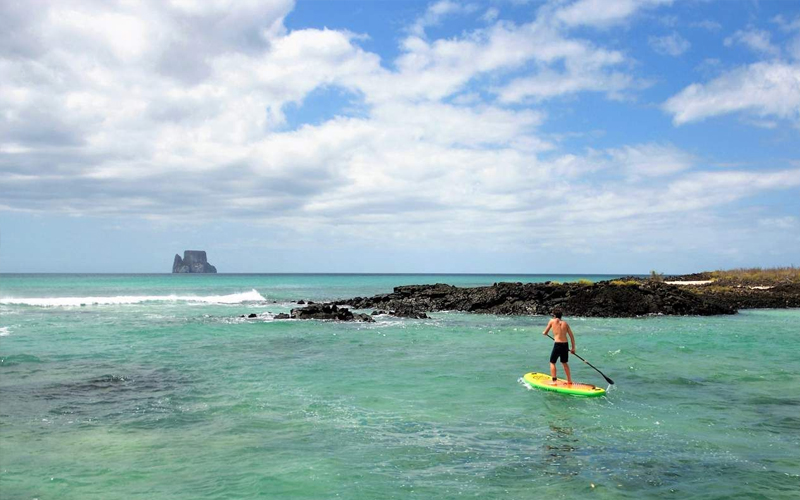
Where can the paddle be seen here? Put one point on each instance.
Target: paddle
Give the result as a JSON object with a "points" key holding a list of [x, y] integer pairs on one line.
{"points": [[598, 371]]}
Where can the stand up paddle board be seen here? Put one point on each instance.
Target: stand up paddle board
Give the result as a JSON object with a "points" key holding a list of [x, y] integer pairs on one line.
{"points": [[543, 381]]}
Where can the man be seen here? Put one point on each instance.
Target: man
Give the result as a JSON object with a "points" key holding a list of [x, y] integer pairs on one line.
{"points": [[560, 348]]}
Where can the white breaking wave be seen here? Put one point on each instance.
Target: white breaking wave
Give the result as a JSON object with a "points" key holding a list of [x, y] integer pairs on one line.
{"points": [[4, 331], [234, 298]]}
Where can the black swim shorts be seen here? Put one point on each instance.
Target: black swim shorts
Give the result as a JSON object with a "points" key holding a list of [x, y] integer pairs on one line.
{"points": [[560, 349]]}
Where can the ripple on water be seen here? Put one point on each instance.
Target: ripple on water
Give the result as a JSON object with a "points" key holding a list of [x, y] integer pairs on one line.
{"points": [[384, 409], [17, 359]]}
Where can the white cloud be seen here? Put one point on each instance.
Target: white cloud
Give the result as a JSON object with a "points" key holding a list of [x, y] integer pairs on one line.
{"points": [[178, 111], [790, 26], [787, 24], [491, 15], [763, 89], [436, 11], [780, 223], [651, 160], [793, 48], [603, 13], [705, 189], [707, 25], [548, 84], [436, 69], [756, 40], [672, 44]]}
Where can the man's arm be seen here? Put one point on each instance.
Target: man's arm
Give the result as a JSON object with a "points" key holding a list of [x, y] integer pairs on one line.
{"points": [[549, 326], [571, 338]]}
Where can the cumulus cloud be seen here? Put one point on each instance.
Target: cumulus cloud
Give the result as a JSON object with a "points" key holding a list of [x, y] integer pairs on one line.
{"points": [[763, 89], [671, 45], [787, 24], [757, 40], [651, 160], [603, 13], [436, 11], [549, 83], [779, 223], [707, 24], [179, 111]]}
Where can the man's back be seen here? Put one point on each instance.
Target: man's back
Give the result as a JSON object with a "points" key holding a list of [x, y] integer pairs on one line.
{"points": [[560, 329]]}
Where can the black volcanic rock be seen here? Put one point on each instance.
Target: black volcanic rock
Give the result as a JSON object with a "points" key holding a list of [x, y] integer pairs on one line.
{"points": [[194, 261], [408, 312], [602, 299], [745, 297], [328, 312]]}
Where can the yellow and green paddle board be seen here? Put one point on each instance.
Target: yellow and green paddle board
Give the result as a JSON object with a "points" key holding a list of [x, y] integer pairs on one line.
{"points": [[543, 381]]}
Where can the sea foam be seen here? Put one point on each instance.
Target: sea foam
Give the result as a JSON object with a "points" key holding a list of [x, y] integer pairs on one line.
{"points": [[234, 298]]}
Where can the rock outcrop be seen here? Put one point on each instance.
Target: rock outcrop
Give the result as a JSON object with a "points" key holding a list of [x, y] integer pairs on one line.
{"points": [[328, 312], [747, 297], [621, 298], [602, 299], [193, 261]]}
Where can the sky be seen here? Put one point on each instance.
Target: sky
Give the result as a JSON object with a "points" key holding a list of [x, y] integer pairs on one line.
{"points": [[486, 136]]}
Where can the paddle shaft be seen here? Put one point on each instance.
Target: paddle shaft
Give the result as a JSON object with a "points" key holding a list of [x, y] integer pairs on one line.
{"points": [[595, 368]]}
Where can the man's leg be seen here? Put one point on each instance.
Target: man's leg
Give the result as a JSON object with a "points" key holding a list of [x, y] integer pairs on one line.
{"points": [[553, 371], [566, 370]]}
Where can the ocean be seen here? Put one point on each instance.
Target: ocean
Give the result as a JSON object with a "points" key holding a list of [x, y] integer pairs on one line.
{"points": [[155, 387]]}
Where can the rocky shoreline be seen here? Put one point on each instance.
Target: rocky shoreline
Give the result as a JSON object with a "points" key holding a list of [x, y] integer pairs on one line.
{"points": [[687, 295], [746, 296], [608, 299]]}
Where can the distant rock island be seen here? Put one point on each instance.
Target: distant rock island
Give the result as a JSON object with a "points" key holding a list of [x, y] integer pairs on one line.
{"points": [[193, 261]]}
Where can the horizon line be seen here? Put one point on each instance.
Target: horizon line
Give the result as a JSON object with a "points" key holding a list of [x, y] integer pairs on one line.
{"points": [[329, 273]]}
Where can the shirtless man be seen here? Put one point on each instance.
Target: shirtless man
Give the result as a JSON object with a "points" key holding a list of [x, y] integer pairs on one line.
{"points": [[560, 348]]}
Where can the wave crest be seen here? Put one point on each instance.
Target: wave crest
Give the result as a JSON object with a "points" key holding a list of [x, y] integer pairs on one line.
{"points": [[234, 298]]}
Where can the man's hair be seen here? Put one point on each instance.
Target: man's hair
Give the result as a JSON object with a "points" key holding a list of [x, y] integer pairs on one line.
{"points": [[557, 312]]}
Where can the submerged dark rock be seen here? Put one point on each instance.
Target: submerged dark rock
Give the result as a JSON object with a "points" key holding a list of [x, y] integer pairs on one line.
{"points": [[193, 261]]}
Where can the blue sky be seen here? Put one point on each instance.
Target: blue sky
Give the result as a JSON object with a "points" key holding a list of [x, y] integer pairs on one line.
{"points": [[564, 136]]}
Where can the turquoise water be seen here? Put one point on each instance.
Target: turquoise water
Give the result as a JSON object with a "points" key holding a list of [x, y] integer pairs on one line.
{"points": [[156, 388]]}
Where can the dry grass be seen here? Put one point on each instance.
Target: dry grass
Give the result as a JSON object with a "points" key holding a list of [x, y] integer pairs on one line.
{"points": [[711, 288], [584, 281], [624, 282], [758, 276]]}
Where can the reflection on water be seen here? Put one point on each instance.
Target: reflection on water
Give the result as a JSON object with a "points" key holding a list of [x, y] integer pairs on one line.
{"points": [[561, 451], [561, 447]]}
